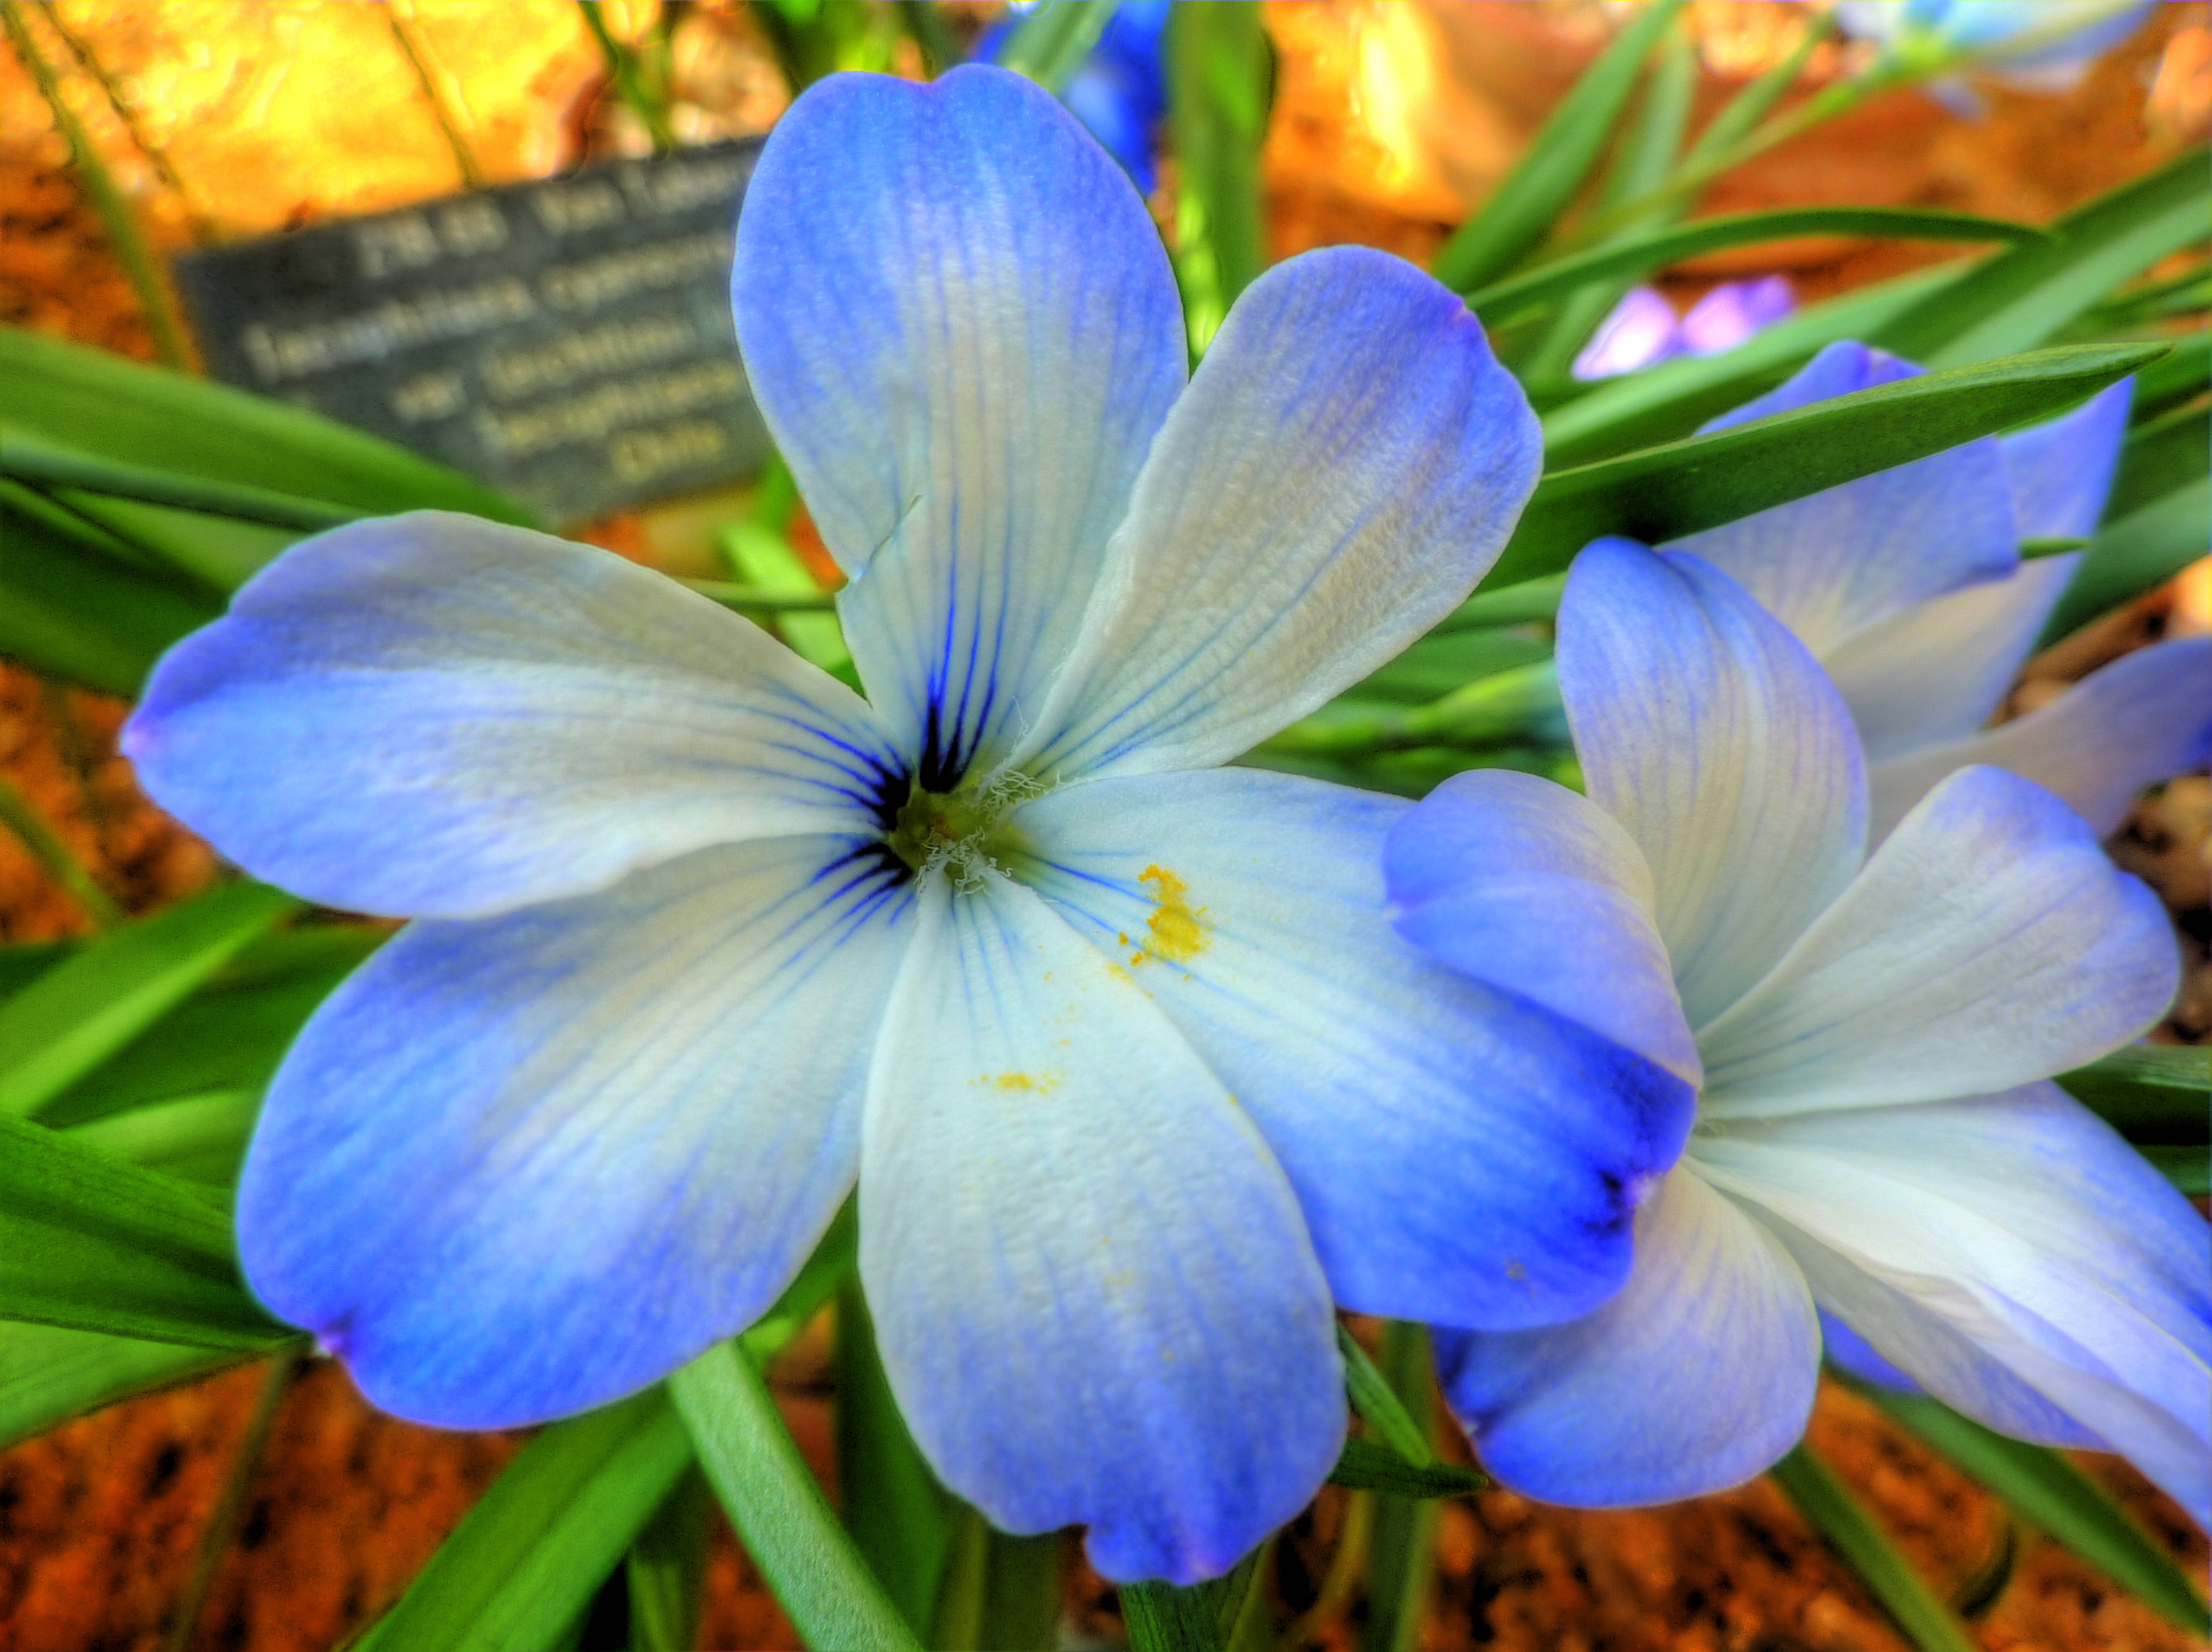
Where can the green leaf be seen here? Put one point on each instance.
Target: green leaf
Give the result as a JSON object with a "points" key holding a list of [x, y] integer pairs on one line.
{"points": [[1507, 708], [1507, 604], [1674, 398], [2159, 457], [1628, 258], [2134, 554], [1662, 493], [1219, 72], [1369, 1466], [22, 965], [1163, 1618], [2056, 1498], [526, 1560], [667, 1570], [1380, 1408], [1446, 661], [41, 464], [219, 552], [1401, 1547], [194, 1138], [229, 1035], [2148, 1092], [1843, 1523], [834, 1256], [1537, 192], [900, 1518], [2017, 299], [69, 611], [88, 1241], [70, 396], [51, 1373], [1050, 45], [1641, 159], [77, 1015], [2189, 1167], [780, 1516], [2181, 377]]}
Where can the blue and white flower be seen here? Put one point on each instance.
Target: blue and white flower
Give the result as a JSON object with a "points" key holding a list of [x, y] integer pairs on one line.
{"points": [[1872, 1036], [1133, 1074], [1909, 586], [2046, 45]]}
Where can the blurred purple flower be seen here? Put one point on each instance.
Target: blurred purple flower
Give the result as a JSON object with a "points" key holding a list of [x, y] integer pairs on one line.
{"points": [[2046, 45], [1642, 329], [1119, 92]]}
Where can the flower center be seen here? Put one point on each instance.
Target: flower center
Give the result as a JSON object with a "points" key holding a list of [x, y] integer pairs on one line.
{"points": [[963, 832]]}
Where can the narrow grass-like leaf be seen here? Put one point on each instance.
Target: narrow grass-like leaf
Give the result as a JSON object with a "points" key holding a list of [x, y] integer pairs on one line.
{"points": [[22, 965], [834, 1257], [1401, 1547], [1843, 1523], [199, 1139], [526, 1560], [2177, 378], [78, 1014], [1672, 398], [780, 1516], [1022, 1592], [229, 1035], [1525, 207], [1522, 704], [2017, 299], [1508, 605], [55, 857], [1218, 78], [2057, 1499], [1380, 1408], [1050, 45], [900, 1518], [41, 464], [88, 1241], [1368, 1465], [219, 552], [2131, 556], [1656, 250], [667, 1570], [67, 611], [2148, 1092], [2159, 456], [1162, 1618], [1642, 159], [1447, 661], [1701, 482], [51, 1373], [97, 403]]}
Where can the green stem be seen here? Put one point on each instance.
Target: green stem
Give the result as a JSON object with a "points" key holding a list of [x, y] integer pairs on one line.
{"points": [[156, 156], [1842, 1521], [222, 1523], [629, 86], [139, 263], [52, 854], [401, 21], [1403, 1543]]}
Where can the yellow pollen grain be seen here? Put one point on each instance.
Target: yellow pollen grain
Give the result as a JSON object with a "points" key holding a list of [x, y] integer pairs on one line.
{"points": [[1038, 1083], [1177, 931]]}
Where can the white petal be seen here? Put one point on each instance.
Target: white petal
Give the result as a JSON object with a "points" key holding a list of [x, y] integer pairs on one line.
{"points": [[1522, 884], [1348, 461], [963, 333], [2013, 1256], [1698, 1375], [1707, 729], [432, 715], [517, 1168], [1094, 1295], [1988, 943], [1462, 1154], [1939, 671], [2145, 718], [1856, 555]]}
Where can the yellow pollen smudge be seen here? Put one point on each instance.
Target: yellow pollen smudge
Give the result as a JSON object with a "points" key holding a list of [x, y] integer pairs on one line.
{"points": [[1177, 933], [1038, 1083]]}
